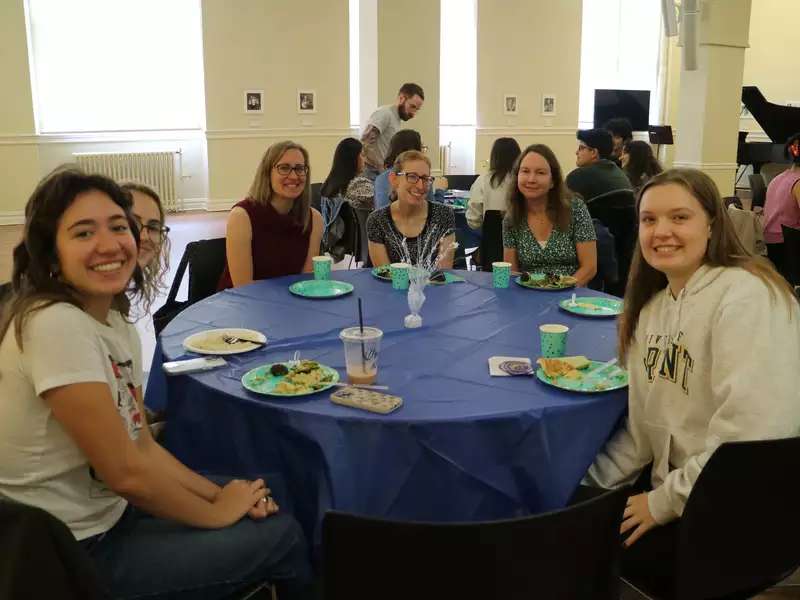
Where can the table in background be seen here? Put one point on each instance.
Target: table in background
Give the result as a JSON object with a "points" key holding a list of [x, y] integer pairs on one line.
{"points": [[464, 446]]}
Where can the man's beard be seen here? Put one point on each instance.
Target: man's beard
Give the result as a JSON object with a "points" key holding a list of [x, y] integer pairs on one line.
{"points": [[401, 111]]}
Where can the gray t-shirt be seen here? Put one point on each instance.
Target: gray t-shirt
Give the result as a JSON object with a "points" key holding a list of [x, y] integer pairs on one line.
{"points": [[387, 121], [40, 463]]}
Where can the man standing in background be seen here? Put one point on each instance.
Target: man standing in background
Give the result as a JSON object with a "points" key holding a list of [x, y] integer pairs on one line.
{"points": [[385, 122]]}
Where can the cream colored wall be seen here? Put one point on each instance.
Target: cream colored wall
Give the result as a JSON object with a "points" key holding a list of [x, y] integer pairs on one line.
{"points": [[408, 51], [769, 62], [252, 44], [19, 160], [528, 48]]}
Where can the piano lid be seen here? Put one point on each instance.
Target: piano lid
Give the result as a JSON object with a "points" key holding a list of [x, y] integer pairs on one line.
{"points": [[778, 121]]}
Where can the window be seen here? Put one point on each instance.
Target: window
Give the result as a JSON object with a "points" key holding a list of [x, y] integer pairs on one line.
{"points": [[105, 65], [619, 50]]}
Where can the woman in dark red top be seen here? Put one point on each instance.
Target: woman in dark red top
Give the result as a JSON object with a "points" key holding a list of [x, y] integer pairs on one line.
{"points": [[274, 231]]}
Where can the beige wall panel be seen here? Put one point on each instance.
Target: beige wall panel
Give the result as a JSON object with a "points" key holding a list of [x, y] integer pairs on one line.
{"points": [[16, 104], [562, 142], [408, 51], [20, 174]]}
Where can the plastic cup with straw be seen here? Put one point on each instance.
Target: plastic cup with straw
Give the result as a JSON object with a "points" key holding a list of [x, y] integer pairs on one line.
{"points": [[361, 346]]}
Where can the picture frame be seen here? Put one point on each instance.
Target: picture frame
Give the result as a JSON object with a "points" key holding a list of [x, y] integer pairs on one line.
{"points": [[306, 101], [548, 105], [510, 104], [254, 102]]}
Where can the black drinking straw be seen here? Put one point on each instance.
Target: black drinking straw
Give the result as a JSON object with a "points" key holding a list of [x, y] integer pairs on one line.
{"points": [[361, 326]]}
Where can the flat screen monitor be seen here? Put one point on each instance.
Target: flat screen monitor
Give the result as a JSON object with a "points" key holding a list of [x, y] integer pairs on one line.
{"points": [[633, 105]]}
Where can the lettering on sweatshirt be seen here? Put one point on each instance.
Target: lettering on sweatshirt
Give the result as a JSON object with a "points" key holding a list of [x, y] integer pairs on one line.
{"points": [[668, 359]]}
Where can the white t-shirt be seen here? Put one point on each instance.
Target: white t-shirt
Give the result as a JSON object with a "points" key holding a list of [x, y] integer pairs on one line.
{"points": [[484, 196], [386, 120], [40, 464]]}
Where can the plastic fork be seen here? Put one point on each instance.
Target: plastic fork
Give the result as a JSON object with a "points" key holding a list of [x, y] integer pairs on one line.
{"points": [[233, 339]]}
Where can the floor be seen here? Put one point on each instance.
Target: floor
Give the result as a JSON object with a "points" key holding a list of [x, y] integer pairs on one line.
{"points": [[187, 227]]}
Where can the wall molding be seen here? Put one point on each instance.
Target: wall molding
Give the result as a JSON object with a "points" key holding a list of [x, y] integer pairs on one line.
{"points": [[188, 204], [12, 217], [510, 130], [220, 204], [709, 167], [279, 132], [149, 135]]}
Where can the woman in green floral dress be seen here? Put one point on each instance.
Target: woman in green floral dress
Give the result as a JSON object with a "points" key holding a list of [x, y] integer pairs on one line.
{"points": [[543, 231]]}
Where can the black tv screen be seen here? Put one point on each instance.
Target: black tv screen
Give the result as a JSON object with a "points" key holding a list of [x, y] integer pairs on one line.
{"points": [[633, 105]]}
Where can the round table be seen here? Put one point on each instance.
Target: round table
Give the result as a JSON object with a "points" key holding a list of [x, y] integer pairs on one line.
{"points": [[463, 447]]}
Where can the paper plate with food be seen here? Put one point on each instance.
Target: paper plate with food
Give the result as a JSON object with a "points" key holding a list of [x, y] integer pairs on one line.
{"points": [[545, 281], [444, 277], [592, 306], [580, 374], [291, 378], [224, 341], [384, 273]]}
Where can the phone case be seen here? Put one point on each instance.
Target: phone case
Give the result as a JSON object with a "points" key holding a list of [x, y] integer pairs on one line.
{"points": [[193, 365], [367, 400]]}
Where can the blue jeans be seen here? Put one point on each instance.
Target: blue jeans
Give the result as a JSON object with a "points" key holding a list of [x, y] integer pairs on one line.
{"points": [[144, 556]]}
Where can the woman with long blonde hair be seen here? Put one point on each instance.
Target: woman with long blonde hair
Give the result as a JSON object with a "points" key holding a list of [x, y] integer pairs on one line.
{"points": [[711, 338]]}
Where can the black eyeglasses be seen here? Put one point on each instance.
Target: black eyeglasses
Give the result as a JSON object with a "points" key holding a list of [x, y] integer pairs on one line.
{"points": [[413, 178], [285, 169], [155, 230]]}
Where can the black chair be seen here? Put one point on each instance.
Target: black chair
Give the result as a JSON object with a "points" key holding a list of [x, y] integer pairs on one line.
{"points": [[41, 558], [205, 260], [5, 292], [570, 553], [607, 268], [758, 188], [740, 528], [791, 254], [491, 248], [361, 215], [316, 196], [617, 211], [460, 182]]}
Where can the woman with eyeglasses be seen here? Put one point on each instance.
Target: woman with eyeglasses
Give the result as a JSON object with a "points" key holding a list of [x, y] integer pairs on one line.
{"points": [[274, 231], [148, 214], [544, 231], [412, 228]]}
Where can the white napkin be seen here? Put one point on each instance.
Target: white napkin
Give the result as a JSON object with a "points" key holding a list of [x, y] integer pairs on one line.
{"points": [[494, 364]]}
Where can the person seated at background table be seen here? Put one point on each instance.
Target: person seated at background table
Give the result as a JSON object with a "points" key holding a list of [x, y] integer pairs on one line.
{"points": [[426, 227], [639, 163], [274, 231], [345, 179], [621, 134], [406, 139], [148, 212], [73, 437], [543, 231], [782, 206], [490, 190], [711, 338], [596, 174]]}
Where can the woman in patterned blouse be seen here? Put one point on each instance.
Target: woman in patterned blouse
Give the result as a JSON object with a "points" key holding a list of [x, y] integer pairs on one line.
{"points": [[543, 231]]}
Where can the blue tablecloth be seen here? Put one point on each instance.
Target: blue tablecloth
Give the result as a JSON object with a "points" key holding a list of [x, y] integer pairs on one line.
{"points": [[464, 446]]}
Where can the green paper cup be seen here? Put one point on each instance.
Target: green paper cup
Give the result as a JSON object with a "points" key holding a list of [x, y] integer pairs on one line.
{"points": [[553, 339], [501, 274], [400, 277], [322, 267]]}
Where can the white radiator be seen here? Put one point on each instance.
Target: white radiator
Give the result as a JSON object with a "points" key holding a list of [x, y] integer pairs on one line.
{"points": [[155, 169]]}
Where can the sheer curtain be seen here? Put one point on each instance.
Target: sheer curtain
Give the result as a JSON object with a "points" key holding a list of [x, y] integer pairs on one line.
{"points": [[108, 65], [620, 44]]}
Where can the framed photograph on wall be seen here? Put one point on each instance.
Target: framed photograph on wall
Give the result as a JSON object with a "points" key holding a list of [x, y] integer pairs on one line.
{"points": [[510, 104], [254, 102], [306, 101], [548, 105]]}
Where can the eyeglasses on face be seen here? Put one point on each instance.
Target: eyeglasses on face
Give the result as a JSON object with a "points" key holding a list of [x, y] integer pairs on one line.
{"points": [[155, 230], [286, 168], [413, 178]]}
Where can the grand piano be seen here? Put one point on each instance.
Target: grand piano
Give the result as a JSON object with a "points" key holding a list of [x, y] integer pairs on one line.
{"points": [[777, 121]]}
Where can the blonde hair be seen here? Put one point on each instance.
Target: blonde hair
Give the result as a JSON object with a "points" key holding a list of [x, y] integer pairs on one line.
{"points": [[409, 156], [261, 189], [724, 250]]}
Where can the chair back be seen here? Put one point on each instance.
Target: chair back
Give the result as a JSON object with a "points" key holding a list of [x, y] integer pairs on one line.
{"points": [[5, 292], [41, 558], [607, 268], [740, 527], [770, 170], [566, 554], [791, 254], [758, 188], [491, 248], [617, 211], [460, 182], [361, 215]]}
